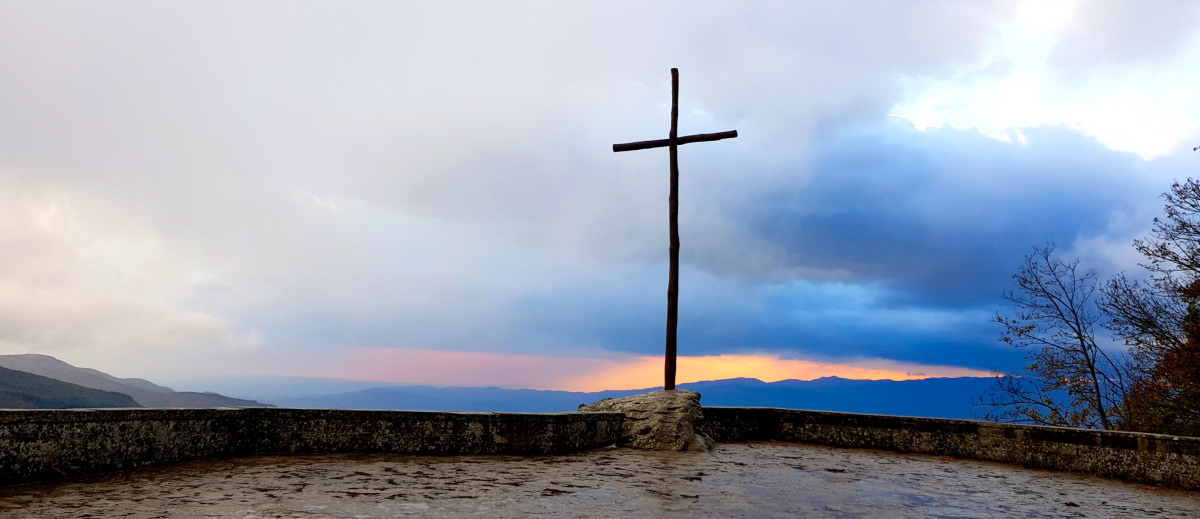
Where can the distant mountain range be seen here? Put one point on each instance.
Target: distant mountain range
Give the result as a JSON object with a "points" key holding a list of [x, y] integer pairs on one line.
{"points": [[40, 381], [931, 397], [935, 397], [21, 390], [140, 392], [430, 398]]}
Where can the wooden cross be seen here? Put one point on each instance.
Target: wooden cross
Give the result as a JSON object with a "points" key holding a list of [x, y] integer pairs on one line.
{"points": [[673, 142]]}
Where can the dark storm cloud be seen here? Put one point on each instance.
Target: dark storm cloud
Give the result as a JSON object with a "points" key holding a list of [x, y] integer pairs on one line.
{"points": [[890, 242], [943, 216], [800, 319]]}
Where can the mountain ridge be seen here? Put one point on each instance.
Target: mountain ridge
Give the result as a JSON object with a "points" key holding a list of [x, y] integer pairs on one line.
{"points": [[22, 390], [931, 397], [143, 392]]}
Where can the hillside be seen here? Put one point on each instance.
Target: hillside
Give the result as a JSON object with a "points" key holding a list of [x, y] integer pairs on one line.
{"points": [[145, 393], [21, 390]]}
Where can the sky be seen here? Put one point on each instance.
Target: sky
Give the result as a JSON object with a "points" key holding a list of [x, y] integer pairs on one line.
{"points": [[425, 192]]}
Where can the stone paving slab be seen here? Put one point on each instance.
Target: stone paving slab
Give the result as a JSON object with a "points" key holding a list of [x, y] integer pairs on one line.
{"points": [[767, 479]]}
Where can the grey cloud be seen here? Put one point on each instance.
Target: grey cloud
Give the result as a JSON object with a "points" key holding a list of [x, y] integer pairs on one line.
{"points": [[1123, 31], [412, 104]]}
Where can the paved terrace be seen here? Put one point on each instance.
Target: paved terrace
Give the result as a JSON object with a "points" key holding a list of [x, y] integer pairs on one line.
{"points": [[225, 463], [758, 479]]}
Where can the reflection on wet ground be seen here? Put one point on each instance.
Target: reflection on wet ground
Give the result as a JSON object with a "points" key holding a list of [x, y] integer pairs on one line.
{"points": [[767, 479]]}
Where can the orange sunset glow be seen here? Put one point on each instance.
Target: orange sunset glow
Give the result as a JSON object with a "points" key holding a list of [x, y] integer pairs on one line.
{"points": [[459, 368], [638, 371]]}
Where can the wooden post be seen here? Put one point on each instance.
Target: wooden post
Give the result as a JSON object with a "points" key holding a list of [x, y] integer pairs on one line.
{"points": [[673, 279], [673, 142]]}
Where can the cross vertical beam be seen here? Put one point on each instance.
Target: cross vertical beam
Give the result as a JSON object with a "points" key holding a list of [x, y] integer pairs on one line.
{"points": [[673, 142], [673, 277]]}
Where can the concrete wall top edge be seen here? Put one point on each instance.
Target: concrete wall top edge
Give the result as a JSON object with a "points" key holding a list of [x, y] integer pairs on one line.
{"points": [[1115, 439], [212, 413]]}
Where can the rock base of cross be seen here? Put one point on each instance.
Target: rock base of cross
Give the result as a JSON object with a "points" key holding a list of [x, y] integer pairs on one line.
{"points": [[659, 420]]}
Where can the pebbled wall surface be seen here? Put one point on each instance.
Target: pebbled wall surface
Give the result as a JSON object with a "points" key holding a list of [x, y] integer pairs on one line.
{"points": [[39, 445], [1145, 458]]}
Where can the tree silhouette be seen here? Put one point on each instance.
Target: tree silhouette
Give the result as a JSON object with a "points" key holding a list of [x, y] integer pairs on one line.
{"points": [[1068, 380]]}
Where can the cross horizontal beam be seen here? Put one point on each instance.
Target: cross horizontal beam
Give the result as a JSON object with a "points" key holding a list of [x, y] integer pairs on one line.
{"points": [[662, 143]]}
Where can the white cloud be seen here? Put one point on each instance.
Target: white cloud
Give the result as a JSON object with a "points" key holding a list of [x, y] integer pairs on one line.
{"points": [[86, 279], [1147, 106], [307, 199]]}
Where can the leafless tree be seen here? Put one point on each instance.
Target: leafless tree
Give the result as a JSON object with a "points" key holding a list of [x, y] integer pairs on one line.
{"points": [[1068, 380], [1160, 318], [1173, 247], [1148, 315]]}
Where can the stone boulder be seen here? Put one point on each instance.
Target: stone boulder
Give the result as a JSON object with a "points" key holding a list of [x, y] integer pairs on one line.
{"points": [[659, 420]]}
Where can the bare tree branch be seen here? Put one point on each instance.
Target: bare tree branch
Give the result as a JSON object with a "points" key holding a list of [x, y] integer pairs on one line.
{"points": [[1068, 379]]}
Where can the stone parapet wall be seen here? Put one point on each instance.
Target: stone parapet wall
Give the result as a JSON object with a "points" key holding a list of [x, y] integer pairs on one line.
{"points": [[427, 432], [37, 445], [48, 444], [1141, 457]]}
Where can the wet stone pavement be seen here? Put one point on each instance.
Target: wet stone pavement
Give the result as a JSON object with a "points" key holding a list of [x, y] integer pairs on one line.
{"points": [[767, 479]]}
